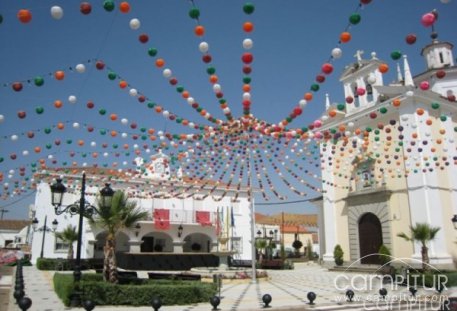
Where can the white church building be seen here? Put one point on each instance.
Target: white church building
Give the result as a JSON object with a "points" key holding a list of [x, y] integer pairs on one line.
{"points": [[185, 216], [390, 160]]}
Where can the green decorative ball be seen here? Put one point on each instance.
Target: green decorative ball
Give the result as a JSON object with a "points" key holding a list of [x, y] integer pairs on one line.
{"points": [[314, 87], [39, 110], [435, 105], [47, 130], [194, 13], [152, 52], [248, 8], [395, 55], [102, 112], [443, 118], [355, 18], [211, 70], [383, 110], [341, 107], [108, 5], [39, 81], [112, 75], [246, 80]]}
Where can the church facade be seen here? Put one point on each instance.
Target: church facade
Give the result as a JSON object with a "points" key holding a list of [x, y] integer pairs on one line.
{"points": [[389, 161]]}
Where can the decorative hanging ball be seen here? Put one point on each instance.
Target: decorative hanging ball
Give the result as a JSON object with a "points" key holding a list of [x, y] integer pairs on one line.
{"points": [[440, 74], [429, 122], [90, 105], [360, 91], [355, 18], [365, 1], [428, 19], [420, 111], [395, 55], [383, 110], [371, 78], [341, 107], [21, 114], [248, 27], [203, 47], [59, 75], [424, 85], [373, 115], [124, 7], [80, 68], [85, 8], [345, 37], [123, 84], [315, 87], [332, 113], [443, 118], [194, 13], [143, 38], [100, 65], [17, 86], [248, 8], [133, 92], [317, 123], [38, 81], [320, 78], [327, 68], [58, 104], [24, 16], [108, 5], [199, 30], [72, 99], [134, 23], [56, 12], [411, 38], [1, 18], [247, 58], [383, 68], [337, 53], [297, 111], [160, 63], [247, 44], [152, 52], [349, 99], [39, 110], [308, 96], [435, 106], [112, 75], [2, 118]]}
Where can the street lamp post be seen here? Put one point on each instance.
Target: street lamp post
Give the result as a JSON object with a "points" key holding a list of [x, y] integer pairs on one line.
{"points": [[83, 209], [44, 229]]}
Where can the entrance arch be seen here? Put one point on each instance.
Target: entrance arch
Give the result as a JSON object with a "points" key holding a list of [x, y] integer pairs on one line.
{"points": [[370, 238]]}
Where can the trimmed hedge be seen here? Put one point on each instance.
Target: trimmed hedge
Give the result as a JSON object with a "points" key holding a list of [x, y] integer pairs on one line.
{"points": [[60, 264], [171, 292]]}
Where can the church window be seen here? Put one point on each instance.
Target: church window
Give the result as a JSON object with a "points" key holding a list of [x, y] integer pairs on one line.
{"points": [[441, 57]]}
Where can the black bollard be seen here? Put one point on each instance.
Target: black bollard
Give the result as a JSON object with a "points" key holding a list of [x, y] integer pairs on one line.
{"points": [[350, 294], [156, 303], [266, 300], [215, 301], [413, 291], [88, 305], [311, 297], [25, 303], [383, 293]]}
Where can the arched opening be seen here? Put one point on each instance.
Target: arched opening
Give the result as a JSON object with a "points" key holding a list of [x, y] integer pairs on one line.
{"points": [[197, 243], [122, 244], [370, 238], [156, 242]]}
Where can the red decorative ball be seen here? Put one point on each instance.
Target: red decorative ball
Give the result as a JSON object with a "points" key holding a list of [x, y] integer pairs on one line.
{"points": [[24, 16], [246, 104], [85, 8], [247, 69], [17, 86], [411, 39], [349, 99], [90, 105], [173, 81], [144, 38], [100, 65], [206, 58], [21, 114], [141, 98], [451, 98], [247, 58], [320, 78], [365, 1], [13, 156], [133, 125], [327, 68], [373, 115], [297, 111], [440, 74], [90, 129]]}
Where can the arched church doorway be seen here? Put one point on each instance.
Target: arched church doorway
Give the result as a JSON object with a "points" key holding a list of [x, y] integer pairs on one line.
{"points": [[370, 238]]}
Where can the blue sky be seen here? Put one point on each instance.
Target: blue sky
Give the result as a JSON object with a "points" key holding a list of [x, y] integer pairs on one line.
{"points": [[292, 39]]}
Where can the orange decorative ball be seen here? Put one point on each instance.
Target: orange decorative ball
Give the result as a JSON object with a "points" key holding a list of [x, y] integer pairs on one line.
{"points": [[308, 96], [124, 7], [59, 75], [199, 30], [383, 68], [24, 16], [123, 84], [420, 111], [58, 104], [248, 27], [396, 102], [345, 37], [160, 62]]}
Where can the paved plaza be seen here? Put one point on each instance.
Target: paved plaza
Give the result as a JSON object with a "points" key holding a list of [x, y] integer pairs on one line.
{"points": [[288, 288]]}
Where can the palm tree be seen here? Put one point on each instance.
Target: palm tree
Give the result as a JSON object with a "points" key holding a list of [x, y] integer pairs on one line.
{"points": [[69, 235], [122, 214], [422, 233]]}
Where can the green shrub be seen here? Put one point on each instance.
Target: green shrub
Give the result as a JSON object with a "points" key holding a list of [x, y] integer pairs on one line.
{"points": [[103, 293], [384, 255], [338, 255], [309, 250], [61, 264]]}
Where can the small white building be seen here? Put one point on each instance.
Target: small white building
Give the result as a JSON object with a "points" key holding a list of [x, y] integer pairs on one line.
{"points": [[185, 215]]}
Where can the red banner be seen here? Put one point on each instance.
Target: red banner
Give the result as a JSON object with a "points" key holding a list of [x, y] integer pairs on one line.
{"points": [[162, 219], [203, 218]]}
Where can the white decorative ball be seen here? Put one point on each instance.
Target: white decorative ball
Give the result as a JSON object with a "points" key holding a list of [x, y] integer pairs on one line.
{"points": [[135, 23], [133, 92], [203, 47], [247, 44], [72, 99], [167, 73], [337, 53], [80, 68], [56, 12]]}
